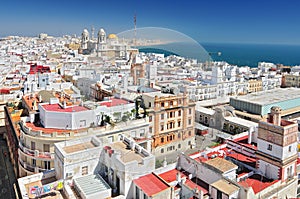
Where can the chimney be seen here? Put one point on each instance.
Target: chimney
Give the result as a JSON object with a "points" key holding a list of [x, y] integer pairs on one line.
{"points": [[178, 177], [275, 116]]}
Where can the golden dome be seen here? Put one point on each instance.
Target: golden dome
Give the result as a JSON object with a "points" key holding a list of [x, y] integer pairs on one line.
{"points": [[112, 36]]}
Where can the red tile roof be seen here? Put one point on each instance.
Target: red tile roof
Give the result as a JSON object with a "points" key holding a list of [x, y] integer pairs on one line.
{"points": [[192, 185], [113, 102], [58, 108], [34, 68], [170, 176], [151, 184], [45, 130], [257, 182], [241, 157], [241, 138]]}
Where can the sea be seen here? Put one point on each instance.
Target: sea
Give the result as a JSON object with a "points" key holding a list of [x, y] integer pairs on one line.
{"points": [[233, 53]]}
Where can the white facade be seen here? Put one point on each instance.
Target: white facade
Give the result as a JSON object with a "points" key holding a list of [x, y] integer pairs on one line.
{"points": [[66, 120], [119, 171], [277, 151], [74, 159], [268, 170]]}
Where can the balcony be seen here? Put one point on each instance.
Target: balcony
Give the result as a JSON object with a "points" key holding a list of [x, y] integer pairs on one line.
{"points": [[30, 168], [26, 167], [35, 153]]}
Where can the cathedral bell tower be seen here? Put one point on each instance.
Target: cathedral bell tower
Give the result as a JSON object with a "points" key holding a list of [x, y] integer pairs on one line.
{"points": [[277, 147]]}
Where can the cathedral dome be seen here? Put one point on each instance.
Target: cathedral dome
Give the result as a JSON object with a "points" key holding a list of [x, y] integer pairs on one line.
{"points": [[112, 36]]}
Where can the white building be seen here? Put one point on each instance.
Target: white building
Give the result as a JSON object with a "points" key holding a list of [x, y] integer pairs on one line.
{"points": [[62, 117]]}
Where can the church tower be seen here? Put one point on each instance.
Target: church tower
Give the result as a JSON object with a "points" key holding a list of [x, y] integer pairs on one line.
{"points": [[277, 147], [217, 73], [101, 42], [101, 36], [85, 39]]}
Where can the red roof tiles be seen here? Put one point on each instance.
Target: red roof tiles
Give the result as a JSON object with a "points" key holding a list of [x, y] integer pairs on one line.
{"points": [[257, 182], [58, 108], [113, 102], [151, 184]]}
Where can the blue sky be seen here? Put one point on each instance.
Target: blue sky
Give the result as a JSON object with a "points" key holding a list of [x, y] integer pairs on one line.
{"points": [[230, 21]]}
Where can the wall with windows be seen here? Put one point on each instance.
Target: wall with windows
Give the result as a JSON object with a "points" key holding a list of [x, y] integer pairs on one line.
{"points": [[72, 162]]}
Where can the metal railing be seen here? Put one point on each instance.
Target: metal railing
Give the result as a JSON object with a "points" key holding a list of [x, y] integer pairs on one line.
{"points": [[35, 153]]}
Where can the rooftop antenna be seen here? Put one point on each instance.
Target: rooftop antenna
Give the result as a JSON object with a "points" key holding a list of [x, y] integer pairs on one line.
{"points": [[93, 32], [134, 19]]}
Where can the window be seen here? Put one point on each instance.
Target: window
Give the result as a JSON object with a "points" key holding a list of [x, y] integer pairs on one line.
{"points": [[190, 111], [189, 142], [162, 140], [179, 146], [171, 114], [190, 121], [69, 175], [162, 116], [290, 148], [149, 104], [171, 103], [150, 118], [179, 123], [179, 101], [47, 165], [161, 127], [162, 104], [110, 139], [32, 145], [269, 147], [137, 193], [162, 151], [46, 148], [84, 170], [82, 123], [179, 135], [33, 162], [190, 133], [142, 133], [179, 113], [150, 129]]}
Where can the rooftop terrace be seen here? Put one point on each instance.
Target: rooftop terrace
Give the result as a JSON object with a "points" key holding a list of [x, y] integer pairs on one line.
{"points": [[271, 96], [79, 147]]}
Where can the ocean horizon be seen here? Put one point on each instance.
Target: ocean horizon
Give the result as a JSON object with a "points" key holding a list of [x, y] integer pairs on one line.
{"points": [[240, 54]]}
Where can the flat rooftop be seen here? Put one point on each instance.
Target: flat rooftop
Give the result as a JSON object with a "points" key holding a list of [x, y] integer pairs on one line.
{"points": [[113, 102], [241, 121], [207, 111], [127, 155], [79, 147], [225, 186], [270, 96], [221, 164], [159, 94], [91, 184], [59, 108]]}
